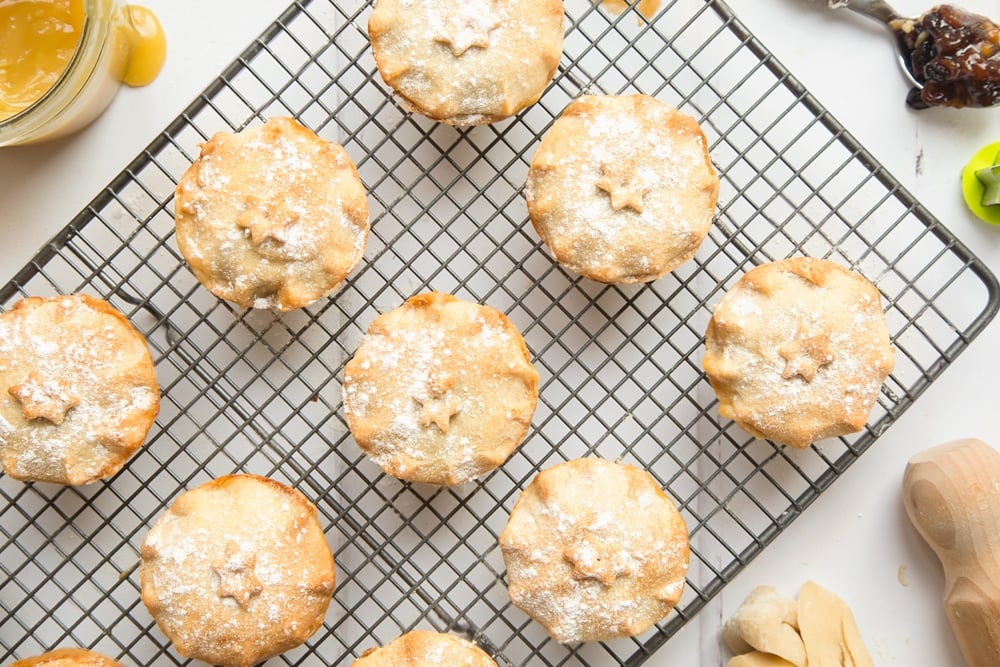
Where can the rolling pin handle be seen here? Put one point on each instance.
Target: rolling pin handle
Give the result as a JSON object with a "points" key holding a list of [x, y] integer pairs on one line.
{"points": [[952, 496]]}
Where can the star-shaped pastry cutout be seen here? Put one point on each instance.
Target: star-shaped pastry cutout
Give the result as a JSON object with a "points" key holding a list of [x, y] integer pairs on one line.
{"points": [[267, 220], [237, 579], [48, 399], [439, 404], [806, 354], [591, 558], [464, 29], [619, 180]]}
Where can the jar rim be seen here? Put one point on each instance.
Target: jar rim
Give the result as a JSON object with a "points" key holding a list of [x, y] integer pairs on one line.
{"points": [[93, 33]]}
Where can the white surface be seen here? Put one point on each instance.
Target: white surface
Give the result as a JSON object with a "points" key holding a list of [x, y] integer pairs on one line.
{"points": [[856, 537]]}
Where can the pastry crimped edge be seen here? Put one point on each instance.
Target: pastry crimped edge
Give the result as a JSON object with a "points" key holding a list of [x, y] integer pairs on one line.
{"points": [[425, 648], [622, 188], [797, 351], [68, 657], [237, 570], [271, 217], [429, 78], [72, 411], [440, 390], [595, 550]]}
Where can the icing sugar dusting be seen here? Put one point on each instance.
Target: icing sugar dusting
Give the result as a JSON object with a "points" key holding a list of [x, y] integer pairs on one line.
{"points": [[467, 62], [77, 390], [237, 570], [751, 329], [272, 217], [595, 551], [446, 388], [466, 25], [618, 192]]}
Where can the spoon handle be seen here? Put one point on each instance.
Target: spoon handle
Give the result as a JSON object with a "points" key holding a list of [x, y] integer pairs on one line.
{"points": [[881, 11], [875, 9]]}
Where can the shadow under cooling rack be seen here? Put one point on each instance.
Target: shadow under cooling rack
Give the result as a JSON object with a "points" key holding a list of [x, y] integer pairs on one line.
{"points": [[620, 366]]}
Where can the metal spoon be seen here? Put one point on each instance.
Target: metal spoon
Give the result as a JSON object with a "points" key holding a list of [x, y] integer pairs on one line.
{"points": [[950, 56], [880, 11]]}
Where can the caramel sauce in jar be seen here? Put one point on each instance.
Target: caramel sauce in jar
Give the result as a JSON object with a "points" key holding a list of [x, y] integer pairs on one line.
{"points": [[37, 40], [63, 61]]}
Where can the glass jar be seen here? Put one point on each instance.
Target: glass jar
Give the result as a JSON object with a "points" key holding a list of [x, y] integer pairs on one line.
{"points": [[85, 88]]}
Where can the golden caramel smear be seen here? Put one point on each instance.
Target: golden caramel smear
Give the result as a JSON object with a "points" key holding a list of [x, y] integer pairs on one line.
{"points": [[147, 46], [646, 7], [37, 40]]}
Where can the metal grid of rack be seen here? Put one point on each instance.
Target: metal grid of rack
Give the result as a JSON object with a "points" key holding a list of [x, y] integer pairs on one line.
{"points": [[620, 365]]}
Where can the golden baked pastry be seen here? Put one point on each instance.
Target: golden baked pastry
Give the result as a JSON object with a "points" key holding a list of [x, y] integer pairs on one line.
{"points": [[621, 188], [467, 62], [797, 351], [78, 390], [423, 648], [271, 217], [440, 390], [595, 550], [237, 570], [68, 657]]}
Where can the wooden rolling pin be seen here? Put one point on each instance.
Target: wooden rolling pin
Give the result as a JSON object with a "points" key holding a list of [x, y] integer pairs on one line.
{"points": [[952, 496]]}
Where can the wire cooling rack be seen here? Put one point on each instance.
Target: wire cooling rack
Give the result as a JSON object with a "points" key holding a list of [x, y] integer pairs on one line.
{"points": [[620, 365]]}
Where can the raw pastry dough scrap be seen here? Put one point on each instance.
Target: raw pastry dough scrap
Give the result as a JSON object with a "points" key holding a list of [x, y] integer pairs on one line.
{"points": [[758, 659], [818, 630], [829, 631], [766, 622]]}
